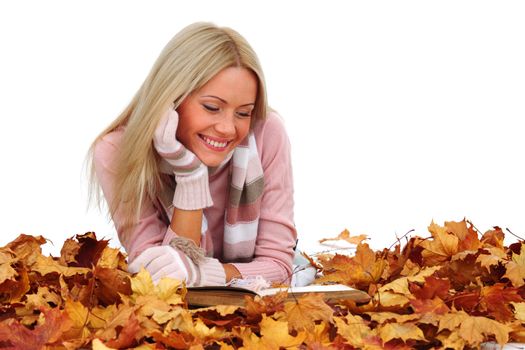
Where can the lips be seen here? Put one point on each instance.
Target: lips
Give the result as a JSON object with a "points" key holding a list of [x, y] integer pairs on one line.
{"points": [[214, 144]]}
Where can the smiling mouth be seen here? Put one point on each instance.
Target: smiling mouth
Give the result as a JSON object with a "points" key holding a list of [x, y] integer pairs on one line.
{"points": [[214, 145]]}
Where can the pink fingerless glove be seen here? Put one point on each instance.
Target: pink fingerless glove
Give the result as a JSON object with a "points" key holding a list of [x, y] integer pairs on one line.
{"points": [[166, 261], [193, 189]]}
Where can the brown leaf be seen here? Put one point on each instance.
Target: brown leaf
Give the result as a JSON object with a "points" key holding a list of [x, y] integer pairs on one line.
{"points": [[111, 283], [90, 250], [433, 287]]}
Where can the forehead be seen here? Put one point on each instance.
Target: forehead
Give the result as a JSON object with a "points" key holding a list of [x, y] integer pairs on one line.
{"points": [[233, 84]]}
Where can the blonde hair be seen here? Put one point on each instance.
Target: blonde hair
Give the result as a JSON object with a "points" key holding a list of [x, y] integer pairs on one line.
{"points": [[189, 60]]}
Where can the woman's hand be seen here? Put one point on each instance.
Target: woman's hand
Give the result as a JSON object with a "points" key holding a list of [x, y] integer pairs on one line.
{"points": [[166, 261], [191, 175]]}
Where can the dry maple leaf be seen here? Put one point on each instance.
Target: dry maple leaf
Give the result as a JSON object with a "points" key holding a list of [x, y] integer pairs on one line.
{"points": [[404, 331], [275, 334], [48, 332], [345, 236], [496, 301], [441, 248], [303, 313]]}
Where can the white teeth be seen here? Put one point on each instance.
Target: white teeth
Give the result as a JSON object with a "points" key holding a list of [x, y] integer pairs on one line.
{"points": [[215, 143]]}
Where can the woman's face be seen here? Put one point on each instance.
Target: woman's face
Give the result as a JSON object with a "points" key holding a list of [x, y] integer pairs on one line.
{"points": [[216, 118]]}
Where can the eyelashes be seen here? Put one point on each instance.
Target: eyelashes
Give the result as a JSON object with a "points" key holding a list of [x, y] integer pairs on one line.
{"points": [[214, 109]]}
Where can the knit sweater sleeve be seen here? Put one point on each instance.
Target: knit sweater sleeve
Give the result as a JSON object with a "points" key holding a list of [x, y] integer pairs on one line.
{"points": [[151, 229], [276, 234]]}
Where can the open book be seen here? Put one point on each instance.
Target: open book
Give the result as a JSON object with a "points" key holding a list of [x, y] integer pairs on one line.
{"points": [[223, 295]]}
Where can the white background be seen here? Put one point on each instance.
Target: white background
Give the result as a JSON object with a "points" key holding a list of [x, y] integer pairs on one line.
{"points": [[399, 112]]}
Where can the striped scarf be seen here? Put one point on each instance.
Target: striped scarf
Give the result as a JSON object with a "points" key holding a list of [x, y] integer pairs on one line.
{"points": [[244, 203]]}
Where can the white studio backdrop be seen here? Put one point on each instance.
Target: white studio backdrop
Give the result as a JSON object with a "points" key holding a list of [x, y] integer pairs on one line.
{"points": [[399, 112]]}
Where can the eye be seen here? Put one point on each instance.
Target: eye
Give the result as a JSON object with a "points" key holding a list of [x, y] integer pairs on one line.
{"points": [[210, 108], [244, 114]]}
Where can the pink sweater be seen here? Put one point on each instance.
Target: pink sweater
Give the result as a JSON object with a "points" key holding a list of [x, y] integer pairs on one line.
{"points": [[273, 253]]}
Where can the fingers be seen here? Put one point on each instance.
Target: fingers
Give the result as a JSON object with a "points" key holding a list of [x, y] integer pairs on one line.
{"points": [[166, 131], [160, 261], [146, 258]]}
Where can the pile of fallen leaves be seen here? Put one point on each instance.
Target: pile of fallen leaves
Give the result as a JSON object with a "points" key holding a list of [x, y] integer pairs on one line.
{"points": [[455, 289]]}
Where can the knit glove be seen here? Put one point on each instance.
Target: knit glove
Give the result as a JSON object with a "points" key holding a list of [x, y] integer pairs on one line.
{"points": [[191, 175], [166, 261]]}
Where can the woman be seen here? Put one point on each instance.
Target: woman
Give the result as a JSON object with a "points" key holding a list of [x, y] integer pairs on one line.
{"points": [[197, 170]]}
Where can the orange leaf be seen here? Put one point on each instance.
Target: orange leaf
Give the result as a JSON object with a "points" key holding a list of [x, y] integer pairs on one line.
{"points": [[435, 306], [403, 331], [431, 288], [129, 334], [302, 314], [496, 299], [49, 332], [345, 236], [468, 237]]}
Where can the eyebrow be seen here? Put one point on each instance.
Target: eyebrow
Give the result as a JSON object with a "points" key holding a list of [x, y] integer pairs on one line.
{"points": [[224, 101]]}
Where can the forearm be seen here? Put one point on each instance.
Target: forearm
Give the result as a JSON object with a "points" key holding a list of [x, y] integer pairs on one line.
{"points": [[188, 224]]}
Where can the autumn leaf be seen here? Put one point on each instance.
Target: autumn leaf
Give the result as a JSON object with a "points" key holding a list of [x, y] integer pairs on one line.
{"points": [[49, 331], [494, 237], [496, 300], [468, 237], [516, 268], [474, 329], [303, 313], [403, 331], [354, 329], [275, 334], [432, 287], [345, 236], [129, 334], [439, 249], [434, 306]]}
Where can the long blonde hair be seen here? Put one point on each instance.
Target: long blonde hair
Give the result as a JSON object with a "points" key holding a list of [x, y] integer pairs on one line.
{"points": [[189, 60]]}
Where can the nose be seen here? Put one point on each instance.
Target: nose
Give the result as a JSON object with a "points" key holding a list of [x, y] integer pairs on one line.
{"points": [[226, 125]]}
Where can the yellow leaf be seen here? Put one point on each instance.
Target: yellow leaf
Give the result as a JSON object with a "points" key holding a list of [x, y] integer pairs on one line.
{"points": [[474, 328], [6, 270], [451, 340], [403, 331], [99, 345], [320, 335], [389, 298], [142, 284], [515, 273], [439, 249], [222, 310], [275, 334], [309, 308], [452, 320], [79, 314], [169, 289], [111, 258], [353, 329], [200, 330], [519, 311], [384, 317]]}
